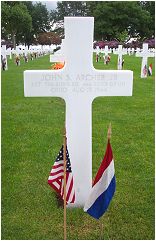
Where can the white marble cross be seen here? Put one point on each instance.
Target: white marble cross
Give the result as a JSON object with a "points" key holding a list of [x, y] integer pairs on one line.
{"points": [[144, 54], [97, 50], [4, 54], [18, 51], [152, 50], [129, 51], [106, 50], [8, 52], [26, 51], [79, 83], [120, 52], [137, 51], [132, 51]]}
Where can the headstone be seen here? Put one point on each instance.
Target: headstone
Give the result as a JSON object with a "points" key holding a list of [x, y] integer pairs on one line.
{"points": [[114, 50], [25, 53], [120, 52], [97, 50], [52, 47], [152, 50], [26, 50], [106, 51], [129, 51], [18, 50], [18, 53], [132, 51], [138, 49], [4, 58], [78, 83], [144, 54], [8, 51], [31, 52]]}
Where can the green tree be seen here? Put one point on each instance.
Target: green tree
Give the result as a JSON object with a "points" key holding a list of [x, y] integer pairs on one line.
{"points": [[37, 23], [67, 8], [40, 18], [113, 18], [40, 21], [15, 19], [149, 6], [123, 36], [70, 8]]}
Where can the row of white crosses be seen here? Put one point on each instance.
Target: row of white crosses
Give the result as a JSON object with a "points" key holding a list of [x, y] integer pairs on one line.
{"points": [[145, 53], [120, 51], [19, 50], [78, 83], [59, 56], [32, 49], [22, 49]]}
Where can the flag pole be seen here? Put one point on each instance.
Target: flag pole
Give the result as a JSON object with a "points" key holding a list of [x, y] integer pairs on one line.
{"points": [[101, 230], [64, 158]]}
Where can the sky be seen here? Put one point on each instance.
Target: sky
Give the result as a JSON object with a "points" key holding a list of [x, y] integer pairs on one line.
{"points": [[49, 4]]}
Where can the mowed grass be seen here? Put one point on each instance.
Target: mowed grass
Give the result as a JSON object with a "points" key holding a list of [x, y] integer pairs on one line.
{"points": [[32, 131]]}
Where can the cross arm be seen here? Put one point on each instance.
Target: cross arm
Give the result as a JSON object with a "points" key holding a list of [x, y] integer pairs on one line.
{"points": [[147, 54], [39, 83], [112, 83]]}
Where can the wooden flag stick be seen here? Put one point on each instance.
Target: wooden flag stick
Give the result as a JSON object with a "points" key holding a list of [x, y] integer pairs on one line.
{"points": [[101, 230], [64, 158], [109, 133]]}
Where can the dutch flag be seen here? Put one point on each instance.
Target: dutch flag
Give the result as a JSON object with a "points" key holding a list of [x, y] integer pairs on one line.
{"points": [[103, 187], [150, 70]]}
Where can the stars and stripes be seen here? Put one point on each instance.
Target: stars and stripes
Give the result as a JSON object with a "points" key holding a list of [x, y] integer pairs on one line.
{"points": [[56, 177], [145, 71]]}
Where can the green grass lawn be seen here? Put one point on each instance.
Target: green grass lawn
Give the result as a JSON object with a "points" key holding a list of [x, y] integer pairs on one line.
{"points": [[31, 138]]}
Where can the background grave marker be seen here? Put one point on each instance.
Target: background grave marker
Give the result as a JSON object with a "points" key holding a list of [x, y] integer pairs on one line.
{"points": [[144, 54]]}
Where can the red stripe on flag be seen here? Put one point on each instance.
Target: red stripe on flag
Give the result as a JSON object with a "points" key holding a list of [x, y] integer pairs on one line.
{"points": [[55, 179], [57, 166], [73, 200], [55, 173], [70, 189], [105, 163], [59, 182]]}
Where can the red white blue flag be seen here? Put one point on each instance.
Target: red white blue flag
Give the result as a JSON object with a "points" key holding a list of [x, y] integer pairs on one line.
{"points": [[145, 71], [150, 70], [103, 187], [56, 177]]}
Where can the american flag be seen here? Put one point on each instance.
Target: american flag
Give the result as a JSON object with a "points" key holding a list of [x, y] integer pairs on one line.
{"points": [[56, 177], [145, 71]]}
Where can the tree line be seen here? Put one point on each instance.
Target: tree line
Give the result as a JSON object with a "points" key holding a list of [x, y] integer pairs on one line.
{"points": [[30, 22]]}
